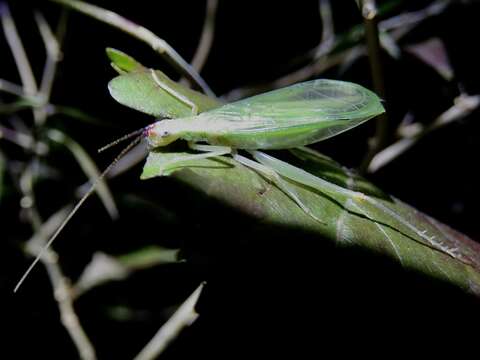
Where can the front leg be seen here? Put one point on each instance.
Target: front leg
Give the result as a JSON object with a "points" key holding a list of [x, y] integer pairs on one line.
{"points": [[207, 152]]}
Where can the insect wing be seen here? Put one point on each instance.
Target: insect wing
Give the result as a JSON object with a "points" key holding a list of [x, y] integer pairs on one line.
{"points": [[302, 104]]}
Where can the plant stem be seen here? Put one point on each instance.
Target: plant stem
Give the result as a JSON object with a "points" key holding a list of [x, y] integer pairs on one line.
{"points": [[143, 34], [183, 317], [18, 51], [206, 39], [369, 13]]}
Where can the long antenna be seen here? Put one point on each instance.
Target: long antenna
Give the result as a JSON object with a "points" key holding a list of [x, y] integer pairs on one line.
{"points": [[75, 209], [119, 140]]}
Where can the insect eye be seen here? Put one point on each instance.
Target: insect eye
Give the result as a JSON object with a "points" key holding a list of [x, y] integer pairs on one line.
{"points": [[165, 134]]}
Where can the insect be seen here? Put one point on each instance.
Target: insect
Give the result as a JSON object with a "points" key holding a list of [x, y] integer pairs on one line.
{"points": [[286, 118], [290, 117]]}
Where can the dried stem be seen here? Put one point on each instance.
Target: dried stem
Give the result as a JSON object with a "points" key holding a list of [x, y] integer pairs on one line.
{"points": [[60, 284], [328, 57], [328, 30], [11, 88], [68, 316], [406, 21], [369, 12], [42, 231], [52, 47], [206, 39], [18, 51], [183, 317], [463, 106], [143, 34]]}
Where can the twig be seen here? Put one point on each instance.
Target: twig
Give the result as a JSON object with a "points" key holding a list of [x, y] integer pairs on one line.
{"points": [[321, 60], [18, 51], [463, 106], [42, 231], [206, 39], [332, 58], [67, 312], [323, 64], [410, 19], [11, 88], [183, 317], [369, 13], [143, 34], [54, 55], [61, 285], [328, 30], [23, 140], [89, 168], [52, 49]]}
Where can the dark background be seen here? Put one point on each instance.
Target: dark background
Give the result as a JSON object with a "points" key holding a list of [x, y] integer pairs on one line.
{"points": [[270, 291]]}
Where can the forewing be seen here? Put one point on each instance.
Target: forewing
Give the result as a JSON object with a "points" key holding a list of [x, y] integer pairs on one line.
{"points": [[305, 103]]}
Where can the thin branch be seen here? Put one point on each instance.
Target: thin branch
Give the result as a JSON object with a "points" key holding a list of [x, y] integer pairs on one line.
{"points": [[206, 39], [328, 31], [333, 58], [143, 34], [52, 45], [410, 19], [89, 168], [306, 72], [18, 51], [183, 317], [11, 88], [52, 49], [369, 13], [463, 106], [42, 232], [68, 316], [21, 139], [61, 284]]}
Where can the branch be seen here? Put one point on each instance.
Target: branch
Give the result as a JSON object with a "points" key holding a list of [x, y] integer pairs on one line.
{"points": [[143, 34], [369, 13], [60, 284], [206, 39], [463, 106], [18, 51], [183, 317]]}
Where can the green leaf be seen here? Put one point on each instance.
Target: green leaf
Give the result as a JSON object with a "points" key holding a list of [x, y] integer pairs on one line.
{"points": [[348, 221], [125, 63], [139, 91]]}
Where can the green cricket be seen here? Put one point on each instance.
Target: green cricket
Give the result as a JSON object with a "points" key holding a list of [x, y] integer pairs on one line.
{"points": [[294, 116]]}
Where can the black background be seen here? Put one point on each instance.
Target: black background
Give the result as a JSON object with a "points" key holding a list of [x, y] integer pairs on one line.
{"points": [[270, 292]]}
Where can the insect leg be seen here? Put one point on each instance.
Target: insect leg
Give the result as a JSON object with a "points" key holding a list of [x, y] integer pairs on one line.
{"points": [[210, 148], [207, 152], [303, 177], [174, 93], [275, 178]]}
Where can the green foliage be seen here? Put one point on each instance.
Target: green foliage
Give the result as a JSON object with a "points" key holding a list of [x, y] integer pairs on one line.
{"points": [[139, 91]]}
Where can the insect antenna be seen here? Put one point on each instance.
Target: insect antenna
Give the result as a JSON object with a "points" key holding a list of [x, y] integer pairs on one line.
{"points": [[77, 207], [123, 138]]}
